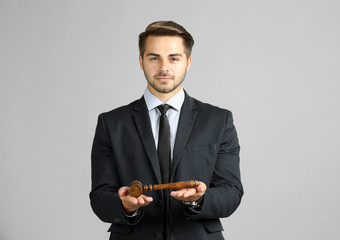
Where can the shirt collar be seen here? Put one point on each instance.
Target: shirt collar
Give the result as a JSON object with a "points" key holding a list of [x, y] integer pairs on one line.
{"points": [[175, 101]]}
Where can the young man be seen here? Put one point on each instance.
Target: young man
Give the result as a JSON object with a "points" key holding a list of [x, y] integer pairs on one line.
{"points": [[165, 136]]}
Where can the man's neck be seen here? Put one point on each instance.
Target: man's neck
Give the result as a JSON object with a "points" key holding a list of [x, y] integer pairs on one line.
{"points": [[164, 97]]}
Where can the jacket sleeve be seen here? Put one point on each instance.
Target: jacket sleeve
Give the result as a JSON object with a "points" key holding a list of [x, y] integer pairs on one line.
{"points": [[105, 201], [225, 190]]}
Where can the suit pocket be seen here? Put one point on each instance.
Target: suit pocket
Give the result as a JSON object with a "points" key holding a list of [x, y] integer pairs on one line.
{"points": [[213, 225], [201, 148], [116, 228], [197, 162]]}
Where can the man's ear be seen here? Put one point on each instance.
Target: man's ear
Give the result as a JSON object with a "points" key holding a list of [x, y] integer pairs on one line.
{"points": [[141, 62], [189, 63]]}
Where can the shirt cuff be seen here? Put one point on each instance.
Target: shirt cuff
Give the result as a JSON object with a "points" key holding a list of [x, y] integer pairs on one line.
{"points": [[131, 215], [195, 208]]}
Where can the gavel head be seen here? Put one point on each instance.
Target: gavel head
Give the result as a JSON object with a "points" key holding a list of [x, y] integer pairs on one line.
{"points": [[136, 188]]}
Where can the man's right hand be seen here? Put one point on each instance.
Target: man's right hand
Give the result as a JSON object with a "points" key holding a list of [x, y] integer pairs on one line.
{"points": [[132, 204]]}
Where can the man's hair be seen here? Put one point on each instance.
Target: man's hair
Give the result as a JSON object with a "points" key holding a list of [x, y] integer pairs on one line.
{"points": [[166, 28]]}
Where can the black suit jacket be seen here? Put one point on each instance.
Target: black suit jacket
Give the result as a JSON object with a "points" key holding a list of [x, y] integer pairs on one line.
{"points": [[206, 149]]}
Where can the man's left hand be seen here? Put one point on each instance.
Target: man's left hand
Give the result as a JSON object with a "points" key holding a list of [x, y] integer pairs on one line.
{"points": [[190, 194]]}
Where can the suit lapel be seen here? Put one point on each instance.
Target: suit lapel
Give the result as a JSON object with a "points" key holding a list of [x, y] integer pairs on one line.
{"points": [[185, 124], [142, 121]]}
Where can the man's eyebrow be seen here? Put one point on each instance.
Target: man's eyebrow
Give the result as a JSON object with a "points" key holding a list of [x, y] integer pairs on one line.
{"points": [[153, 54], [170, 55], [175, 55]]}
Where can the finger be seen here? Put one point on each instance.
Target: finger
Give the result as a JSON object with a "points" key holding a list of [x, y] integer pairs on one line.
{"points": [[133, 200], [141, 200], [178, 193], [183, 193], [144, 200], [148, 199], [190, 192]]}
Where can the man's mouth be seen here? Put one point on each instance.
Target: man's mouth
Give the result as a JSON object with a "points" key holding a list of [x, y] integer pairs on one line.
{"points": [[163, 79]]}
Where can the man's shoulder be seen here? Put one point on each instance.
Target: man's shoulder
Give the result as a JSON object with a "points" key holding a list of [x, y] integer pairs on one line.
{"points": [[124, 110], [209, 108]]}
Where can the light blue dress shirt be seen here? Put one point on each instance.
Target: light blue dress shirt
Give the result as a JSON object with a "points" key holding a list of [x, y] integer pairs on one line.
{"points": [[173, 114]]}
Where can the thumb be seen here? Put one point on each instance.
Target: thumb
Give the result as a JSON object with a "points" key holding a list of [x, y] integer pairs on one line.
{"points": [[201, 187], [123, 191]]}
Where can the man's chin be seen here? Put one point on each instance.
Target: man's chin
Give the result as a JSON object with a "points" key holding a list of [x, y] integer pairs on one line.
{"points": [[163, 89]]}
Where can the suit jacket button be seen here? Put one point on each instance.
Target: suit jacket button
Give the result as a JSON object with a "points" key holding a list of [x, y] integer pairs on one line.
{"points": [[159, 203], [158, 234]]}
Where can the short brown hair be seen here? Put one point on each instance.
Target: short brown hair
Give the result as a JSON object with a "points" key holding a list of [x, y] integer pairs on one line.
{"points": [[166, 28]]}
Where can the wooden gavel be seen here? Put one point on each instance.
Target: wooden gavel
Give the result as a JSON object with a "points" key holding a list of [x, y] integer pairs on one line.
{"points": [[137, 189]]}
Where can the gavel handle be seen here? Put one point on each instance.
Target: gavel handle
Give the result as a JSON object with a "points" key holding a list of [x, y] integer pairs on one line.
{"points": [[137, 189], [175, 185]]}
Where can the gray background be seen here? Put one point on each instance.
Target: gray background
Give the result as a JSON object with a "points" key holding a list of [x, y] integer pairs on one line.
{"points": [[274, 64]]}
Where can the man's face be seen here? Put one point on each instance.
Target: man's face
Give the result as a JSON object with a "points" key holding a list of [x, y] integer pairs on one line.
{"points": [[165, 64]]}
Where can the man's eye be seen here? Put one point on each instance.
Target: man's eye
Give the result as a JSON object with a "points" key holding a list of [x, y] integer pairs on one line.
{"points": [[153, 59], [174, 59]]}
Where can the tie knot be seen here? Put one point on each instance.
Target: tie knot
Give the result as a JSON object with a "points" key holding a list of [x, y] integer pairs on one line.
{"points": [[163, 108]]}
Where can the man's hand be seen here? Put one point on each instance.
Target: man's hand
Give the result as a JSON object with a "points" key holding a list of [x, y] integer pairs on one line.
{"points": [[132, 204], [190, 194]]}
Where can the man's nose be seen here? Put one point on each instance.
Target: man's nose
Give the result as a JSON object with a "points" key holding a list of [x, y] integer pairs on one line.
{"points": [[164, 65]]}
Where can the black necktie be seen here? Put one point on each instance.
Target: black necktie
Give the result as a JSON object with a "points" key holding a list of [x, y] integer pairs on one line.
{"points": [[164, 143], [164, 162]]}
